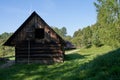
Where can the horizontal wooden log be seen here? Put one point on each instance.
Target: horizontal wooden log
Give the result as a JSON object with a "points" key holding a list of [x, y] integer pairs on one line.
{"points": [[39, 48], [39, 52], [38, 57], [42, 55], [37, 42], [39, 45], [32, 46], [42, 50]]}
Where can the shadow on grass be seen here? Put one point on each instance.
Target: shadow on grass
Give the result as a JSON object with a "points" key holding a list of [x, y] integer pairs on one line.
{"points": [[73, 56], [104, 67]]}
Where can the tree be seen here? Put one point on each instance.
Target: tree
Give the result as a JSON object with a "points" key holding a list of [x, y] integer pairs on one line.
{"points": [[108, 19], [87, 35], [63, 31]]}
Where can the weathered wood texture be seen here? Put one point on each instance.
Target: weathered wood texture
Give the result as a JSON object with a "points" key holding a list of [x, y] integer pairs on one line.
{"points": [[46, 49], [29, 31], [32, 52]]}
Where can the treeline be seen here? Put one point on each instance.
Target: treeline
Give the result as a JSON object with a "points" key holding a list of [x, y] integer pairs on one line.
{"points": [[106, 31]]}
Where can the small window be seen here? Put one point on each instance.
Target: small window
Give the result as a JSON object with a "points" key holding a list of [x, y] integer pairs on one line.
{"points": [[39, 33]]}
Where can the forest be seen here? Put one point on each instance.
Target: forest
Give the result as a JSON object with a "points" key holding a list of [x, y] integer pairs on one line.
{"points": [[106, 30]]}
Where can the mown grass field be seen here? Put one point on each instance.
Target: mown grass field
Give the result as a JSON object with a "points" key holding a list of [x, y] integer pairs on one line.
{"points": [[85, 64]]}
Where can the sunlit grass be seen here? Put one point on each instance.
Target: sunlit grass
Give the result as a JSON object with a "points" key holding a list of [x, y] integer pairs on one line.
{"points": [[93, 52], [85, 64]]}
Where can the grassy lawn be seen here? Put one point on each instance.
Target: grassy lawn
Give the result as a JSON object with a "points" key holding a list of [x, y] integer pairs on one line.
{"points": [[85, 64]]}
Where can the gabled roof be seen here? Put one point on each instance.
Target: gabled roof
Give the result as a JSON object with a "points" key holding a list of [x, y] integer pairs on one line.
{"points": [[8, 42]]}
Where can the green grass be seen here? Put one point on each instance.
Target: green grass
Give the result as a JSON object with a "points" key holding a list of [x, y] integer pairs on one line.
{"points": [[86, 64]]}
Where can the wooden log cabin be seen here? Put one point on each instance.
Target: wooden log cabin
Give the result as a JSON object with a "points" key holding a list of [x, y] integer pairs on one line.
{"points": [[36, 42]]}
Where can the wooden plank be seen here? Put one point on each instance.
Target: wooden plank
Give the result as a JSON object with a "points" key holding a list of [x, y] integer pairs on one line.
{"points": [[40, 48], [37, 50], [41, 55], [37, 57], [43, 46], [31, 49]]}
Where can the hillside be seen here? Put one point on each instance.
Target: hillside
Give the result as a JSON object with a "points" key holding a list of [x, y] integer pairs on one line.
{"points": [[84, 64]]}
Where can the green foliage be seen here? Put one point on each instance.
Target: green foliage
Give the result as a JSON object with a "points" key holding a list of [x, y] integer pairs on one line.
{"points": [[108, 16], [63, 33], [68, 38], [96, 40], [4, 50], [78, 38], [106, 30], [82, 38], [76, 41], [86, 64]]}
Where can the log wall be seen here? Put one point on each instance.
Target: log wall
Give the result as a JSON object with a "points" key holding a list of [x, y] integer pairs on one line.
{"points": [[32, 52]]}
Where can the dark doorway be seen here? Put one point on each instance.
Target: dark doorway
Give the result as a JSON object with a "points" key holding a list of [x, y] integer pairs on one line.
{"points": [[39, 33]]}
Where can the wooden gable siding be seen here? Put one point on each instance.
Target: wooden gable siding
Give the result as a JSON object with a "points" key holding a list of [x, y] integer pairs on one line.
{"points": [[30, 28]]}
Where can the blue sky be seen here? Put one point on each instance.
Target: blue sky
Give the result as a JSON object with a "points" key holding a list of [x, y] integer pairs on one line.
{"points": [[72, 14]]}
